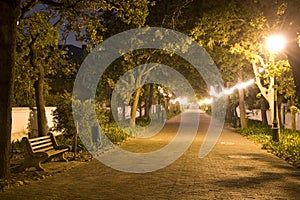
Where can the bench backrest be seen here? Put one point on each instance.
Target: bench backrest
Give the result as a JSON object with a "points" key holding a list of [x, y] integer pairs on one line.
{"points": [[41, 144]]}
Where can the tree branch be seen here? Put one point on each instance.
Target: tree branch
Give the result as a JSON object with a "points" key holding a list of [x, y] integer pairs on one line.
{"points": [[52, 3], [264, 91], [28, 7], [57, 22], [177, 12], [60, 4]]}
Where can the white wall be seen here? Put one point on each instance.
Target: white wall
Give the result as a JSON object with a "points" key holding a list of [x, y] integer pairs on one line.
{"points": [[256, 115], [21, 120]]}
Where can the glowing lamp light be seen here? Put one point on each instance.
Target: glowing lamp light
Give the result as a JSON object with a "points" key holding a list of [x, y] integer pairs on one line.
{"points": [[261, 70], [206, 101], [230, 90], [200, 103], [275, 43], [173, 101]]}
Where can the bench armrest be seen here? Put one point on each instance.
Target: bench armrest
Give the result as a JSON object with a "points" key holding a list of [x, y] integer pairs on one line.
{"points": [[55, 144], [64, 147]]}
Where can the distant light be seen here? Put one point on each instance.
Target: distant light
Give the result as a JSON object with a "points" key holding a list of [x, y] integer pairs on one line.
{"points": [[230, 90], [261, 70], [200, 103], [181, 100], [214, 93], [275, 43], [206, 101], [239, 86], [173, 101]]}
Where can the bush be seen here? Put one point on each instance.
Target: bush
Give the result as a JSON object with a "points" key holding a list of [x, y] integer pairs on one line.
{"points": [[62, 115], [287, 148], [143, 121], [64, 122], [173, 114], [113, 132]]}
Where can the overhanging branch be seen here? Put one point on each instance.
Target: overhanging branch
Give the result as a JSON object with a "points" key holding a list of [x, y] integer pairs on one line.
{"points": [[52, 3]]}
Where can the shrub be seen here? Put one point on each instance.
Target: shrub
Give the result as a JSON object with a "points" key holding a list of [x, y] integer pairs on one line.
{"points": [[62, 115], [113, 132], [64, 122], [143, 121], [287, 148]]}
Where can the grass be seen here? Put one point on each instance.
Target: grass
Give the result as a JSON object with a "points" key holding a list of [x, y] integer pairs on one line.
{"points": [[287, 148]]}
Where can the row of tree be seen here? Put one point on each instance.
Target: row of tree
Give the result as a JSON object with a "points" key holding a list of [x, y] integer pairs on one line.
{"points": [[30, 31], [231, 31], [235, 35]]}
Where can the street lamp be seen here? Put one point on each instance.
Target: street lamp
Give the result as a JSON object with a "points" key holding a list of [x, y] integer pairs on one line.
{"points": [[275, 44]]}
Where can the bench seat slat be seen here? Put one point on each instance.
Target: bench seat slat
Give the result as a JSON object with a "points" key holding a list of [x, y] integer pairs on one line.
{"points": [[42, 145], [45, 149], [39, 138], [40, 142], [54, 152]]}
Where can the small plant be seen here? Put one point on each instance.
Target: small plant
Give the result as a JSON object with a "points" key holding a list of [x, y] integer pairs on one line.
{"points": [[113, 132], [143, 121], [173, 114], [287, 148]]}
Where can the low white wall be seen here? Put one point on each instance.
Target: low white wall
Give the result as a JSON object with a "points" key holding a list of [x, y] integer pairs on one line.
{"points": [[23, 118], [256, 115]]}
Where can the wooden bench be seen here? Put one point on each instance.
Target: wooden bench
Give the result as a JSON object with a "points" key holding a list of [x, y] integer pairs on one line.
{"points": [[42, 149]]}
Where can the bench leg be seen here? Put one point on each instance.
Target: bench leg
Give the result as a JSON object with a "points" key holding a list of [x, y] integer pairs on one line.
{"points": [[39, 167], [32, 162], [62, 158]]}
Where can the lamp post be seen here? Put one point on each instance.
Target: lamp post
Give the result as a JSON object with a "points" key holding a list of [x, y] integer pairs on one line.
{"points": [[275, 44], [275, 129]]}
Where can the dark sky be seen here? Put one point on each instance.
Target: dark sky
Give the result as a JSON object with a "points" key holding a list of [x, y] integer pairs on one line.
{"points": [[72, 40]]}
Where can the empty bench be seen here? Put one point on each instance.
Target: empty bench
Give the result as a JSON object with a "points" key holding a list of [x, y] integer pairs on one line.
{"points": [[42, 149]]}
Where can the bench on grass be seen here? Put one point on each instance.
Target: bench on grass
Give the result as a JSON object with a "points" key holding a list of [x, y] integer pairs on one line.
{"points": [[42, 149]]}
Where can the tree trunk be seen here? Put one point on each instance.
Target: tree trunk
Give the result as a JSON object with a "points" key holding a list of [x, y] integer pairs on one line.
{"points": [[228, 106], [293, 118], [134, 107], [8, 21], [140, 108], [243, 118], [293, 54], [40, 106], [283, 116], [264, 108], [279, 103], [148, 101], [123, 111], [39, 92]]}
